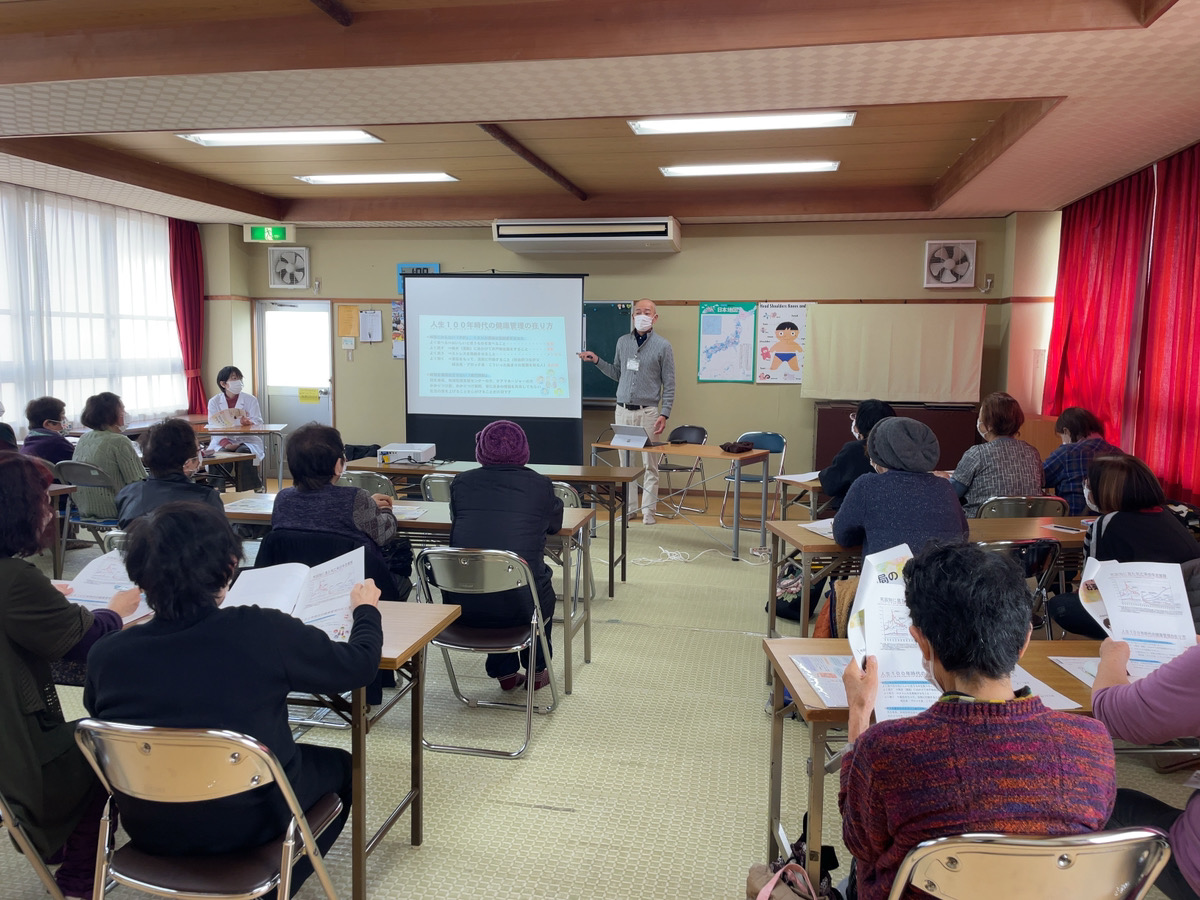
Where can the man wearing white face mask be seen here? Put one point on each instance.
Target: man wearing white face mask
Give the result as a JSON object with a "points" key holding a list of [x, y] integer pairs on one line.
{"points": [[644, 369]]}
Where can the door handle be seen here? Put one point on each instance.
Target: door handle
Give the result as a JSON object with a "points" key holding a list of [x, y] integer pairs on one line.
{"points": [[324, 392]]}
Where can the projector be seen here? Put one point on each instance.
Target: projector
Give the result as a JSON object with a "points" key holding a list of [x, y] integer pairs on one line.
{"points": [[406, 453]]}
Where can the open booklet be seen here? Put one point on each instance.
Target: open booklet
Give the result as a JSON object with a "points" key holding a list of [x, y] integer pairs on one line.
{"points": [[1143, 604], [100, 579], [318, 596], [227, 418]]}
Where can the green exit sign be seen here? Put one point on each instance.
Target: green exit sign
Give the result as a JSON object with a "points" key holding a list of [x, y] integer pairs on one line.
{"points": [[268, 233]]}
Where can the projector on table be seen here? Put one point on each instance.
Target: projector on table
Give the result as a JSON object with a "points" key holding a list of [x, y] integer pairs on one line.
{"points": [[406, 453]]}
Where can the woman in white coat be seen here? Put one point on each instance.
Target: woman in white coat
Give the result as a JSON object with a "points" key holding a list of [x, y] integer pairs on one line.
{"points": [[223, 410]]}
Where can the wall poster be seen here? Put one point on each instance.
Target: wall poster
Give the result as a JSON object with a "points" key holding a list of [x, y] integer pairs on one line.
{"points": [[782, 329]]}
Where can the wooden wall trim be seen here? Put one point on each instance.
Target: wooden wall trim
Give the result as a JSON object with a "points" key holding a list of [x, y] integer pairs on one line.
{"points": [[230, 297]]}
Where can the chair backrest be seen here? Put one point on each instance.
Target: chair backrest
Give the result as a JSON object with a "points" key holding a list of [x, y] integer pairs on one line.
{"points": [[1022, 507], [113, 540], [83, 474], [1113, 865], [435, 487], [471, 571], [1038, 557], [567, 494], [689, 434], [371, 482], [284, 545], [768, 440], [175, 765]]}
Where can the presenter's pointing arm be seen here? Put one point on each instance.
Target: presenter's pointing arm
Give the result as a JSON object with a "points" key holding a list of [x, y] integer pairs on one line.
{"points": [[588, 356]]}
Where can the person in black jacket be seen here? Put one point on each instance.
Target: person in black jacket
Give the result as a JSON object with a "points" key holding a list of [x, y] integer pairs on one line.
{"points": [[852, 460], [172, 456], [505, 506], [195, 665]]}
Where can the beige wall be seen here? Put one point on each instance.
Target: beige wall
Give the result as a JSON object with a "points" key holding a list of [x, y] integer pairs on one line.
{"points": [[835, 261]]}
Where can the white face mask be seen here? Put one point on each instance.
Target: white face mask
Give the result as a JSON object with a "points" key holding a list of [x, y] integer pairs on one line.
{"points": [[854, 432], [642, 323], [983, 432], [235, 387], [1087, 498], [1, 407], [927, 665]]}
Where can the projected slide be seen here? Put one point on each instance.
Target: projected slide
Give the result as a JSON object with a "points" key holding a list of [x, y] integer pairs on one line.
{"points": [[494, 345], [490, 356]]}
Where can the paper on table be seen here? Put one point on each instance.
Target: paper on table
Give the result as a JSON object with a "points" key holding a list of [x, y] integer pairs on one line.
{"points": [[803, 476], [1049, 696], [824, 673], [100, 579], [1148, 608], [407, 512], [261, 504], [823, 527], [1089, 596], [1082, 667]]}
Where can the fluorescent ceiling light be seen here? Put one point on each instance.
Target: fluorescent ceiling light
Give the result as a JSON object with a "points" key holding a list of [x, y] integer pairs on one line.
{"points": [[751, 168], [747, 122], [277, 138], [382, 178]]}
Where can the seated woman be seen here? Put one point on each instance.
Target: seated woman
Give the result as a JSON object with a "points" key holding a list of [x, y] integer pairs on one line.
{"points": [[1066, 467], [1003, 466], [316, 458], [44, 776], [1135, 527], [107, 448], [902, 502], [984, 757], [233, 396], [173, 458], [852, 461], [1154, 710], [195, 665], [48, 424], [505, 506]]}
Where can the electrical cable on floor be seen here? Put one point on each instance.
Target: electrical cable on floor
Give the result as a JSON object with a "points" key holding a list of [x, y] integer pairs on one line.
{"points": [[682, 556]]}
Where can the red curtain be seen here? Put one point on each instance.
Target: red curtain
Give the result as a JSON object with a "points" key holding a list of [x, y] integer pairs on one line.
{"points": [[1101, 279], [1169, 391], [187, 286]]}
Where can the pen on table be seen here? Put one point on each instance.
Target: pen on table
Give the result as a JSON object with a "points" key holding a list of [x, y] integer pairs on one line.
{"points": [[1066, 528]]}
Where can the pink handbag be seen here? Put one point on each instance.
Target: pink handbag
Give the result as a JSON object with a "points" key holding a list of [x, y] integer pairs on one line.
{"points": [[789, 883]]}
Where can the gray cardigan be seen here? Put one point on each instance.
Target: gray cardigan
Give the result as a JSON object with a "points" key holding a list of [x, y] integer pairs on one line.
{"points": [[655, 374]]}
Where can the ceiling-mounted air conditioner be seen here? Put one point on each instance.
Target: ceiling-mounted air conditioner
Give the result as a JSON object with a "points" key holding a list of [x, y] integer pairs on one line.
{"points": [[649, 235]]}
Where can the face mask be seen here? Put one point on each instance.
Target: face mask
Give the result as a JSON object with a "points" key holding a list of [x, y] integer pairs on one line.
{"points": [[854, 432], [1, 407], [983, 432], [235, 387], [927, 665], [1087, 498], [642, 323]]}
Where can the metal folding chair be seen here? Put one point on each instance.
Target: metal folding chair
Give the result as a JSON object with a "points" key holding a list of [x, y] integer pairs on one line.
{"points": [[113, 540], [762, 440], [25, 844], [485, 572], [436, 487], [371, 482], [688, 434], [185, 765], [1022, 507], [1105, 865], [1038, 559]]}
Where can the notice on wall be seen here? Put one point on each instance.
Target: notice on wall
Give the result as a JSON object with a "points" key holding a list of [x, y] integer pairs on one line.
{"points": [[347, 320], [398, 329], [781, 336], [727, 339], [370, 326]]}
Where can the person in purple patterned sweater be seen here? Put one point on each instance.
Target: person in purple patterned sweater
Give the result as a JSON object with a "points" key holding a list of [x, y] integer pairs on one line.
{"points": [[984, 757]]}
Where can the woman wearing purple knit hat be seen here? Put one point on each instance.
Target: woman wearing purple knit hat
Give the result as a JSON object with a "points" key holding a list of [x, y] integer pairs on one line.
{"points": [[505, 506]]}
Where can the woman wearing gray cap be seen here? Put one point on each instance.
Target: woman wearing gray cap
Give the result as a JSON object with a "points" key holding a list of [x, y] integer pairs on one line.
{"points": [[902, 502]]}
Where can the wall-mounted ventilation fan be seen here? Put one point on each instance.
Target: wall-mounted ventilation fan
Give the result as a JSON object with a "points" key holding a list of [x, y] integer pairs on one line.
{"points": [[289, 267], [949, 264]]}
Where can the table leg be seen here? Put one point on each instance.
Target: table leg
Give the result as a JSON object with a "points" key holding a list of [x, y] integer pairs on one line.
{"points": [[624, 527], [762, 513], [568, 636], [783, 500], [60, 546], [774, 565], [816, 797], [279, 484], [777, 842], [358, 805], [612, 539], [814, 506], [418, 762], [737, 506]]}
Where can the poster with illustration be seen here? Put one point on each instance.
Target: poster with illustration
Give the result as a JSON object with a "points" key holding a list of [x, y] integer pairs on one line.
{"points": [[780, 346], [726, 351]]}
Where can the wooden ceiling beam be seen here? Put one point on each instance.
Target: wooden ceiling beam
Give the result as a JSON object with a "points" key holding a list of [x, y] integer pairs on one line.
{"points": [[81, 156], [505, 32], [511, 143], [745, 204], [1006, 131], [335, 11]]}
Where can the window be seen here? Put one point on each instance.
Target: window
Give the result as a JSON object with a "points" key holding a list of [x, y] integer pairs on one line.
{"points": [[85, 305]]}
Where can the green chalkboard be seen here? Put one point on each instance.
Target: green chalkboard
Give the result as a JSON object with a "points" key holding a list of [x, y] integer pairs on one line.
{"points": [[603, 324]]}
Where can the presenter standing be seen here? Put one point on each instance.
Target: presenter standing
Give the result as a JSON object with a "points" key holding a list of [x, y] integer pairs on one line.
{"points": [[644, 369]]}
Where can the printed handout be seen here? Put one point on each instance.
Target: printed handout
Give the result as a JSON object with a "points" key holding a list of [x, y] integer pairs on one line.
{"points": [[100, 579], [1147, 607]]}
